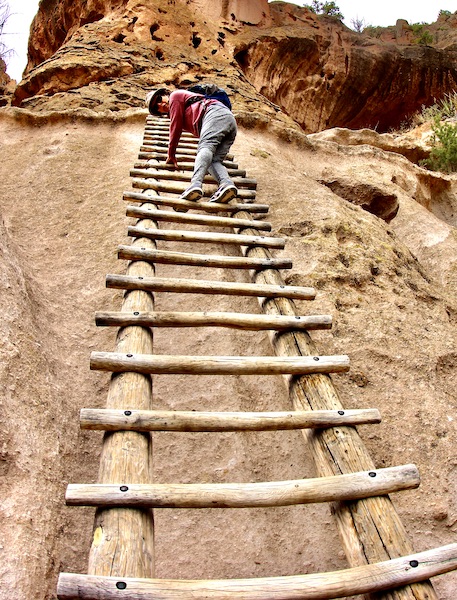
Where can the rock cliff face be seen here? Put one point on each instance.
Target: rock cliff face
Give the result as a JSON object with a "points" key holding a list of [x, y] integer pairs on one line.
{"points": [[372, 231], [6, 84], [105, 55]]}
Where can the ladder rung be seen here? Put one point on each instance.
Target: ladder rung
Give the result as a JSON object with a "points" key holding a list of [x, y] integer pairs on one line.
{"points": [[166, 131], [160, 123], [149, 129], [212, 207], [247, 322], [164, 134], [118, 362], [178, 188], [195, 219], [152, 147], [197, 286], [162, 142], [169, 420], [366, 579], [338, 488], [240, 182], [161, 150], [201, 260], [183, 235], [161, 165], [147, 154]]}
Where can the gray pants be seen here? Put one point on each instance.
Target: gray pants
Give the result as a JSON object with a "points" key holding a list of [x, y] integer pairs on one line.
{"points": [[217, 135]]}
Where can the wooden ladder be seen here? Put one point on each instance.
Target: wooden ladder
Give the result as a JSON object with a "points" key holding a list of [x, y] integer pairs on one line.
{"points": [[121, 561]]}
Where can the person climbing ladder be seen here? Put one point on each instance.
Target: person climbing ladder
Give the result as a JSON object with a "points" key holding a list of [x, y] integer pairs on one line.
{"points": [[215, 126]]}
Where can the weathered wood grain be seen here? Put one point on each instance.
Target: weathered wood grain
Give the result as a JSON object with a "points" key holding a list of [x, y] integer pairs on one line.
{"points": [[251, 322], [201, 286], [173, 217], [119, 362], [201, 260], [161, 420], [367, 579]]}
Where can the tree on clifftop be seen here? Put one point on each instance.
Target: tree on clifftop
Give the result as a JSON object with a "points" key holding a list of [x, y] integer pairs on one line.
{"points": [[325, 8], [4, 16]]}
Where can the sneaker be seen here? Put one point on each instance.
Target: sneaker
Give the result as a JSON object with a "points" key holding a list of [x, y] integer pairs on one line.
{"points": [[225, 193], [193, 194]]}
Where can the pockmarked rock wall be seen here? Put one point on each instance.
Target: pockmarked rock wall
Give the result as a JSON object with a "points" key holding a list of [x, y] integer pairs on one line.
{"points": [[105, 55], [370, 229]]}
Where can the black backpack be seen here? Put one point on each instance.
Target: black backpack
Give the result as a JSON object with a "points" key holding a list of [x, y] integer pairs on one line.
{"points": [[209, 91]]}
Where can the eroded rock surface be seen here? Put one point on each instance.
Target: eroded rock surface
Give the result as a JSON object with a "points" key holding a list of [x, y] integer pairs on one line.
{"points": [[374, 199], [386, 271], [105, 56]]}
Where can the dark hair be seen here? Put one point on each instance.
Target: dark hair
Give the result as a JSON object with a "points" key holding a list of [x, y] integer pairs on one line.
{"points": [[154, 104], [153, 98]]}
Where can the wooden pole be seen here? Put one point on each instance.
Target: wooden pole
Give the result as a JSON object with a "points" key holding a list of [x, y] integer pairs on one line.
{"points": [[246, 495], [211, 207], [178, 187], [172, 217], [245, 322], [118, 362], [183, 235], [367, 579], [123, 541], [154, 173], [370, 529], [202, 286], [174, 420], [162, 165], [182, 158], [201, 260]]}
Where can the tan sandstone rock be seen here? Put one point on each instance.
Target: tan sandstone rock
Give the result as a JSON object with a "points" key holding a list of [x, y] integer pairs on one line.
{"points": [[391, 286]]}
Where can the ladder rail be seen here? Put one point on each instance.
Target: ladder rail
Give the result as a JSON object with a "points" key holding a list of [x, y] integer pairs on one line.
{"points": [[370, 529]]}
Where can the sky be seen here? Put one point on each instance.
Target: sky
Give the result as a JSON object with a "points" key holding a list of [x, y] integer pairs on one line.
{"points": [[372, 12]]}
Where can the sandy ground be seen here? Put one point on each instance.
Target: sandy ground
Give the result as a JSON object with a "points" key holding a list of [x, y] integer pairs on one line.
{"points": [[389, 288]]}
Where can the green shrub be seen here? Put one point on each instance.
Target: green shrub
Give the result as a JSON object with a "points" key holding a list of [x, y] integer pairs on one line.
{"points": [[325, 8], [446, 108], [372, 31], [443, 156], [426, 39], [422, 36]]}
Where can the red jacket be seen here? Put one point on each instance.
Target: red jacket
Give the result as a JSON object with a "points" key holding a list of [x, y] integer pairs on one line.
{"points": [[184, 118]]}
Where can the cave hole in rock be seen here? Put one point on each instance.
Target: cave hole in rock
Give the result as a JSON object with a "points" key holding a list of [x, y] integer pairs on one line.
{"points": [[155, 27], [119, 38], [196, 41], [92, 17], [159, 54], [131, 25], [221, 37], [242, 58]]}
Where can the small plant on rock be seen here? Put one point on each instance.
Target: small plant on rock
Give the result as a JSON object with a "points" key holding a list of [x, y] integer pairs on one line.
{"points": [[372, 31], [443, 156], [422, 35], [446, 108], [5, 14], [325, 8]]}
